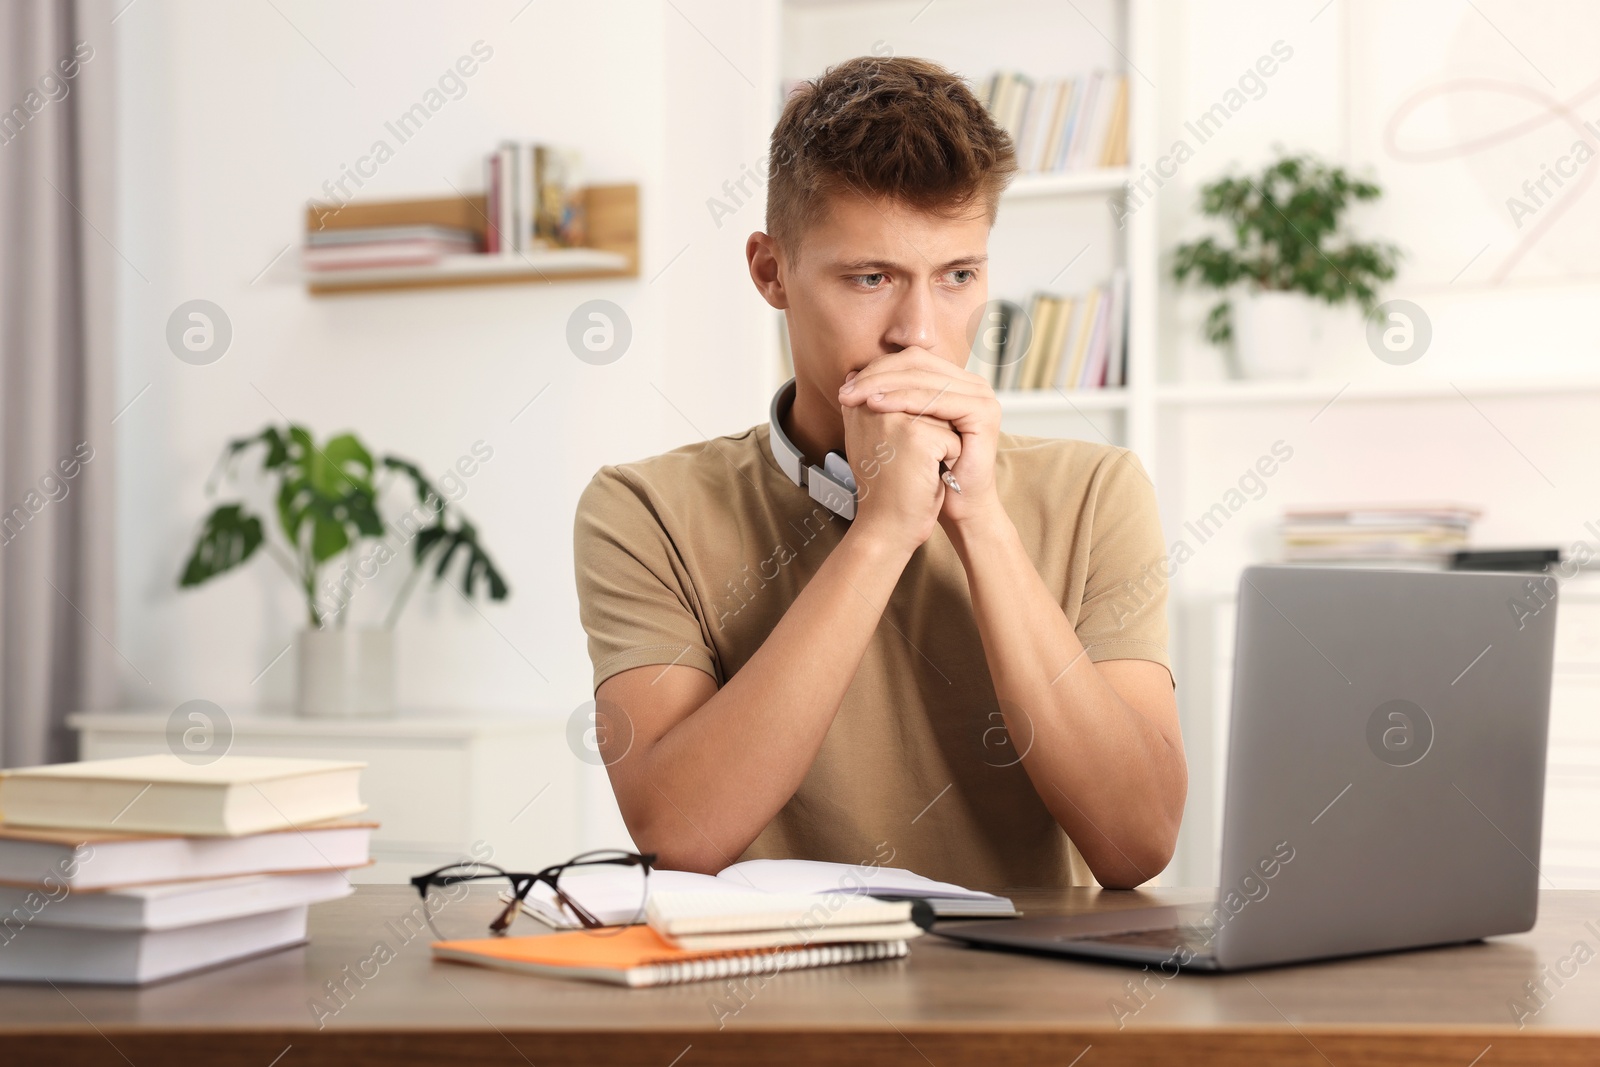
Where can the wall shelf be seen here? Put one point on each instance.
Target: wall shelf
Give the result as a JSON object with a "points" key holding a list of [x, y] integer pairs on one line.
{"points": [[1057, 401], [1032, 186], [1320, 391], [613, 252]]}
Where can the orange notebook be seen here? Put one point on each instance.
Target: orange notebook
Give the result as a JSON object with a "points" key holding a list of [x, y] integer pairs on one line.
{"points": [[638, 956]]}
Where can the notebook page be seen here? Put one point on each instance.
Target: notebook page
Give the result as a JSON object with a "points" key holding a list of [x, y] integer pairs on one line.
{"points": [[820, 876]]}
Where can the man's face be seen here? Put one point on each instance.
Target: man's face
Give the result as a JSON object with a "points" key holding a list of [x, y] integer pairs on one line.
{"points": [[875, 277]]}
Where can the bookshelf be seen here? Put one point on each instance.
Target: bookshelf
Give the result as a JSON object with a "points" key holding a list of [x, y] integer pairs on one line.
{"points": [[1041, 212], [613, 223]]}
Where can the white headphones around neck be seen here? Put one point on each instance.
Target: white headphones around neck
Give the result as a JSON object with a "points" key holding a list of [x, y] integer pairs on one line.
{"points": [[832, 485]]}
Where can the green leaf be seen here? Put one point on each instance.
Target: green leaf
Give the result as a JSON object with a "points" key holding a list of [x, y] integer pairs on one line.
{"points": [[229, 537], [328, 538], [427, 495]]}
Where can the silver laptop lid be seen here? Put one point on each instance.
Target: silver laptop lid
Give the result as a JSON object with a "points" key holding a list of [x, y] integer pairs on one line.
{"points": [[1386, 760]]}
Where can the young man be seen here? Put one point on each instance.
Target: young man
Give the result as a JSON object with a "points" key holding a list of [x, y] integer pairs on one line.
{"points": [[971, 684]]}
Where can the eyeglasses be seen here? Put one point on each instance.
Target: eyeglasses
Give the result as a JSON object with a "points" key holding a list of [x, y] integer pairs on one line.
{"points": [[599, 891]]}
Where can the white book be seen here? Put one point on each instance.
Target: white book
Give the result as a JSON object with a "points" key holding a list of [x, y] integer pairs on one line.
{"points": [[703, 921], [162, 907], [506, 205], [1078, 151], [673, 913], [89, 860], [135, 957], [1039, 103], [1094, 365], [163, 794], [1116, 354], [527, 196], [1054, 120]]}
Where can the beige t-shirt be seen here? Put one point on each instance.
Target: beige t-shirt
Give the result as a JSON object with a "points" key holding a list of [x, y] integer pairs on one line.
{"points": [[693, 556]]}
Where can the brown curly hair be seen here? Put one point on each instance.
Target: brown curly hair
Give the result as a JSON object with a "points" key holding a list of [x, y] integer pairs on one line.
{"points": [[900, 128]]}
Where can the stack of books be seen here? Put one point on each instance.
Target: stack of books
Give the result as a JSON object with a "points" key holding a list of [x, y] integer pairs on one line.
{"points": [[1410, 535], [534, 198], [1062, 124], [1075, 342], [128, 871], [366, 247]]}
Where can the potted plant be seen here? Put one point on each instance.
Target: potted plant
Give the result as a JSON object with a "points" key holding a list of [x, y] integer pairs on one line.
{"points": [[326, 501], [1288, 245]]}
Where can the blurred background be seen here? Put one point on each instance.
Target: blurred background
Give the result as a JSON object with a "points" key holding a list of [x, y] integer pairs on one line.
{"points": [[455, 257]]}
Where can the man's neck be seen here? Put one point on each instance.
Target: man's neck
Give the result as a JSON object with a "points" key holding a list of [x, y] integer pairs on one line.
{"points": [[815, 426]]}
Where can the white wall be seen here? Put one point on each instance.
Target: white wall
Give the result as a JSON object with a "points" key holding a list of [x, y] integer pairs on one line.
{"points": [[233, 117], [1375, 86]]}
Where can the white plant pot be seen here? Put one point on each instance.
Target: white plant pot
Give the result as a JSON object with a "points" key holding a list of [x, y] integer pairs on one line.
{"points": [[1276, 334], [345, 673]]}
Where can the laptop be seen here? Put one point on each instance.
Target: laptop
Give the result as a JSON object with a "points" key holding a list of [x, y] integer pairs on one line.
{"points": [[1385, 778]]}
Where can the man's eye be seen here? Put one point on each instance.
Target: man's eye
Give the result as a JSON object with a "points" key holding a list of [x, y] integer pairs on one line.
{"points": [[962, 277], [870, 281]]}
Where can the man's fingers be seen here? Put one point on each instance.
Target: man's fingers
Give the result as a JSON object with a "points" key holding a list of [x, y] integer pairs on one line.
{"points": [[919, 359], [946, 405]]}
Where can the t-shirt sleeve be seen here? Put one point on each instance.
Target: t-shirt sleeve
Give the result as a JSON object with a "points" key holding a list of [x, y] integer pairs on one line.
{"points": [[1124, 611], [634, 596]]}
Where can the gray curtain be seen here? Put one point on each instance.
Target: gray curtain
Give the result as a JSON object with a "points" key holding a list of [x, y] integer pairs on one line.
{"points": [[57, 375]]}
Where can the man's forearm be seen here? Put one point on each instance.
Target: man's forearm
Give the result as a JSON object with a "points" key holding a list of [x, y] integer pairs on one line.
{"points": [[1110, 777], [717, 778]]}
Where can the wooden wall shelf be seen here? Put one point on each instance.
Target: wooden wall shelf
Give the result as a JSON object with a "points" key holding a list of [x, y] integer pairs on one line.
{"points": [[613, 251]]}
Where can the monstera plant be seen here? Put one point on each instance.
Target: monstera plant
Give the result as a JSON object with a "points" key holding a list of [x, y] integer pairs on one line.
{"points": [[327, 516]]}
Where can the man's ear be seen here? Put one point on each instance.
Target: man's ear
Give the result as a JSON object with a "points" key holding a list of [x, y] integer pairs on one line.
{"points": [[766, 269]]}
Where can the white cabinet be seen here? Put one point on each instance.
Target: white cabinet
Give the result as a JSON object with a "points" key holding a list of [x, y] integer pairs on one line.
{"points": [[435, 784]]}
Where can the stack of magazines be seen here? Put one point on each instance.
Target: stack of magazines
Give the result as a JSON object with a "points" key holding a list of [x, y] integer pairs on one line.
{"points": [[366, 247], [127, 871], [1416, 535]]}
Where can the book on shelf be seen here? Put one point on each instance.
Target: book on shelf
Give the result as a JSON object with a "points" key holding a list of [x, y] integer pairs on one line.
{"points": [[534, 200], [637, 956], [1077, 342], [619, 902], [1062, 124], [163, 794], [82, 903], [1060, 323], [1116, 339], [88, 860]]}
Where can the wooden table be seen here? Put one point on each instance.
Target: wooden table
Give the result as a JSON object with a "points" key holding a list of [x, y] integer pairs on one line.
{"points": [[944, 1005]]}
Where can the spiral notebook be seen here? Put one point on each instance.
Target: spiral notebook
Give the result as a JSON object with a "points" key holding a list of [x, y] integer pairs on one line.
{"points": [[637, 956]]}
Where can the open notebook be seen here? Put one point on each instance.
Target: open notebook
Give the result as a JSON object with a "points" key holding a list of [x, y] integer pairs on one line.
{"points": [[621, 903]]}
